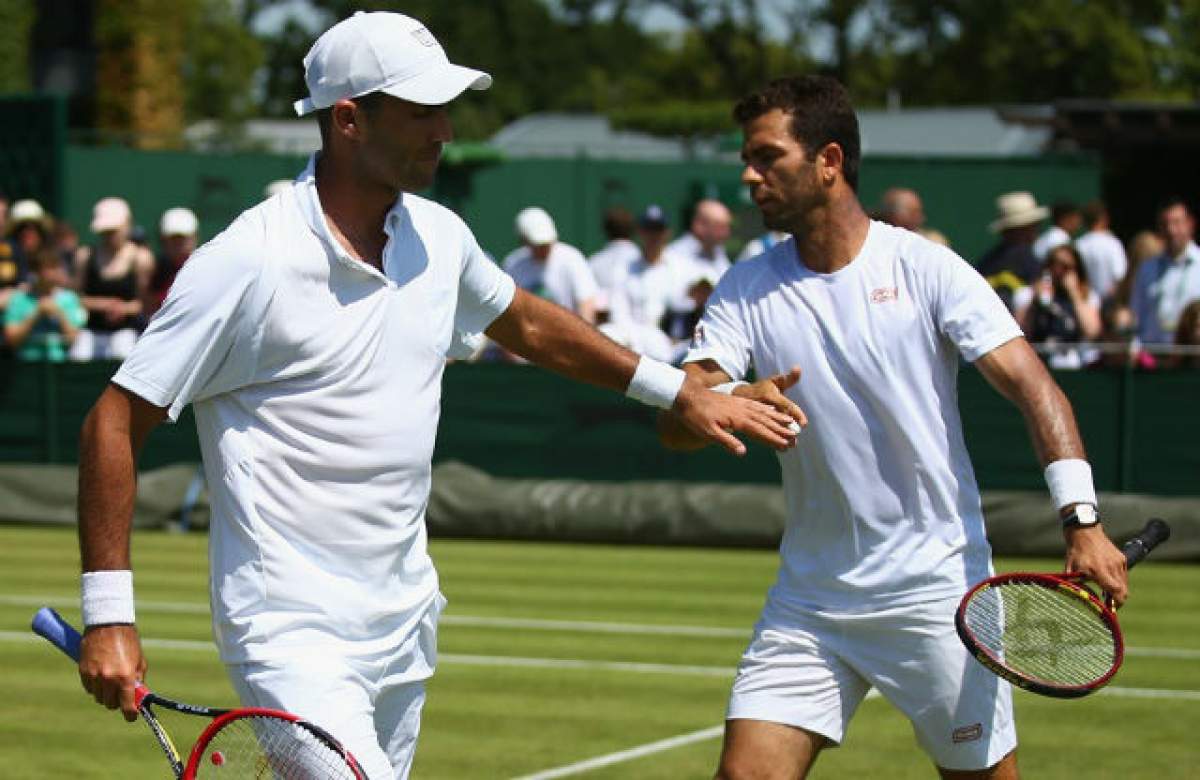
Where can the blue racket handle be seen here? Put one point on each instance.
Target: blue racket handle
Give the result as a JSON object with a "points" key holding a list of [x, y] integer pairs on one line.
{"points": [[51, 626]]}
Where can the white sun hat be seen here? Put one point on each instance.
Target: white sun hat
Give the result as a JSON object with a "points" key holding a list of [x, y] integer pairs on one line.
{"points": [[178, 221], [1017, 209], [382, 52]]}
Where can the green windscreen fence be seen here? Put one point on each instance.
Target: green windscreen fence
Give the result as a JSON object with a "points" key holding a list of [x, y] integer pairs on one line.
{"points": [[1141, 429], [32, 142]]}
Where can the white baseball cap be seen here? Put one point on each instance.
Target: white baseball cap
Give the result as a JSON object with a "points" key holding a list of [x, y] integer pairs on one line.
{"points": [[110, 214], [382, 52], [536, 227], [178, 222]]}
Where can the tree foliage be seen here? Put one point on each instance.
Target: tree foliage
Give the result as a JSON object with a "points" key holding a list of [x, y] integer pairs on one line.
{"points": [[598, 56]]}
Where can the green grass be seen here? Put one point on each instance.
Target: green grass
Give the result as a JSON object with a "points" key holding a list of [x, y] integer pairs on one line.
{"points": [[504, 720]]}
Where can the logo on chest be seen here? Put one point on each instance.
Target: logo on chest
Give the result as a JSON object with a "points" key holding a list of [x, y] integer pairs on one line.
{"points": [[884, 294]]}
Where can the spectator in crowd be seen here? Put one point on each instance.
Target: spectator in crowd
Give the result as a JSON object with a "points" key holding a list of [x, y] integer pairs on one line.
{"points": [[643, 300], [550, 268], [702, 247], [65, 240], [1144, 245], [1065, 221], [42, 323], [177, 231], [1168, 282], [112, 277], [611, 263], [756, 246], [1187, 336], [1011, 264], [902, 207], [3, 213], [1102, 253], [30, 229], [1061, 310]]}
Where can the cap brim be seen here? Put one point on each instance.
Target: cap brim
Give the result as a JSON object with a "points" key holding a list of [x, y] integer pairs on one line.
{"points": [[439, 85]]}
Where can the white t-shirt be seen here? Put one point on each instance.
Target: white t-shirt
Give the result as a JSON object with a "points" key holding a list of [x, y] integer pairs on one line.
{"points": [[611, 263], [316, 384], [1105, 260], [883, 507], [564, 278], [693, 265], [648, 290]]}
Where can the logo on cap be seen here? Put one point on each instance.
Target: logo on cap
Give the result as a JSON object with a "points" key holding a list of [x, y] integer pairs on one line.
{"points": [[424, 37]]}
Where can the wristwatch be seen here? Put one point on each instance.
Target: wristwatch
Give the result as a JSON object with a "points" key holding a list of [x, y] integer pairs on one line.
{"points": [[1082, 516]]}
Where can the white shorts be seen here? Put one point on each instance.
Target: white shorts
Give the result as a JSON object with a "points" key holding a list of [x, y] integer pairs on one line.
{"points": [[811, 670], [371, 703]]}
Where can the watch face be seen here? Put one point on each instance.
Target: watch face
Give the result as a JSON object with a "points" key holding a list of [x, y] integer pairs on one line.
{"points": [[1083, 514]]}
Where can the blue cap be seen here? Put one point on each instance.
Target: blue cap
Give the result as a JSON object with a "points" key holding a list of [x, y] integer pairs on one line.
{"points": [[653, 218]]}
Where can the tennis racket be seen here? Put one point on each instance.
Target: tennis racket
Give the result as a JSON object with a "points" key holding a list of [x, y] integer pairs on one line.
{"points": [[247, 742], [1049, 633]]}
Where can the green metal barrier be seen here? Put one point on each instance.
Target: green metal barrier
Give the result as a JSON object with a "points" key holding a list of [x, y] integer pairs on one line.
{"points": [[1141, 429]]}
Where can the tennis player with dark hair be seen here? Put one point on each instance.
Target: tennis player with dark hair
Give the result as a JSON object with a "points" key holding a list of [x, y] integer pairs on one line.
{"points": [[885, 529], [310, 338]]}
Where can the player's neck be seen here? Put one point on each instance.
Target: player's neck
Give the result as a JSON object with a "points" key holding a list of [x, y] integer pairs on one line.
{"points": [[832, 235], [356, 210]]}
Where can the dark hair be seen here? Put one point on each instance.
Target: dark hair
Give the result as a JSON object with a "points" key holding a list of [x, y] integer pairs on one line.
{"points": [[46, 257], [821, 114], [1094, 212], [1171, 202], [1080, 268], [618, 223], [369, 103], [1063, 208]]}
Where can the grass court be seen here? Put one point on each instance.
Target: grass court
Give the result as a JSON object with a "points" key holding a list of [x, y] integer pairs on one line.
{"points": [[561, 660]]}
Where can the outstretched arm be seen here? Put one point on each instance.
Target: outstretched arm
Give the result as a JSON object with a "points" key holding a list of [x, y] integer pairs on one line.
{"points": [[555, 339], [111, 660], [1016, 371]]}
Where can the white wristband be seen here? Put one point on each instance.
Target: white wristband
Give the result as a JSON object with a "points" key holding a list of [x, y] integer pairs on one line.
{"points": [[1070, 482], [107, 597], [655, 383], [727, 388]]}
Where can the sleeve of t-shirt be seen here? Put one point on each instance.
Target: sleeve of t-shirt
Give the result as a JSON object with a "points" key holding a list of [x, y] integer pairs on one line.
{"points": [[484, 291], [201, 343], [721, 334], [20, 308], [967, 309]]}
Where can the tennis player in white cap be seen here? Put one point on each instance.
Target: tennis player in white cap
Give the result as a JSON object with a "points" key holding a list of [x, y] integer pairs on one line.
{"points": [[310, 338]]}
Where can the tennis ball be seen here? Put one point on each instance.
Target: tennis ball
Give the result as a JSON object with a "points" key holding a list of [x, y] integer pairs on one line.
{"points": [[794, 427]]}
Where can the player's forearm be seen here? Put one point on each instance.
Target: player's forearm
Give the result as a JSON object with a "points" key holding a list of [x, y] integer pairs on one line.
{"points": [[553, 338], [107, 487]]}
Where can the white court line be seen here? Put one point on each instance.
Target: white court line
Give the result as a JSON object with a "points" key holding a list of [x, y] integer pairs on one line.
{"points": [[456, 659], [626, 755], [533, 624]]}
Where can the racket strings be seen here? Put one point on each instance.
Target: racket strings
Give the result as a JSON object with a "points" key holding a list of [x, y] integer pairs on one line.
{"points": [[271, 749], [1042, 633]]}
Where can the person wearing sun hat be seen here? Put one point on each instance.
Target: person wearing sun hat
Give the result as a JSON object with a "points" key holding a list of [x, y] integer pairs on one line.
{"points": [[310, 338], [1011, 263]]}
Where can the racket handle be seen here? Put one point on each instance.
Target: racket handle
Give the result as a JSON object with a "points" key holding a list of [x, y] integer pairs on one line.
{"points": [[1155, 533], [51, 626]]}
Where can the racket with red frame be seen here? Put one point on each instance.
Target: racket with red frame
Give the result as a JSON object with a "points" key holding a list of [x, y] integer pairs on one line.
{"points": [[1049, 633], [245, 742]]}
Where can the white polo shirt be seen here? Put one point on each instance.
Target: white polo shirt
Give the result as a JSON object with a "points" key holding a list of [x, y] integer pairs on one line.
{"points": [[316, 384], [883, 507]]}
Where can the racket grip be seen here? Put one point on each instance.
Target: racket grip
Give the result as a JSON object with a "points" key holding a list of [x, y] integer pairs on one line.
{"points": [[1155, 533], [51, 626]]}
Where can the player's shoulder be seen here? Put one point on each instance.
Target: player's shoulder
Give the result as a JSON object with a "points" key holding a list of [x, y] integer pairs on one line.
{"points": [[761, 270], [424, 211], [917, 253]]}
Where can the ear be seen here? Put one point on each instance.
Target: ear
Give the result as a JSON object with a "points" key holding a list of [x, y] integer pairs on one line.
{"points": [[344, 116], [830, 160]]}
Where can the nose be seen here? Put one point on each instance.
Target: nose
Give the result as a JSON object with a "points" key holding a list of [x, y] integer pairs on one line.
{"points": [[750, 176]]}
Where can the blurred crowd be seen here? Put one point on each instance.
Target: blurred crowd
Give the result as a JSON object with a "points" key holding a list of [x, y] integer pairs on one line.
{"points": [[1081, 295]]}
